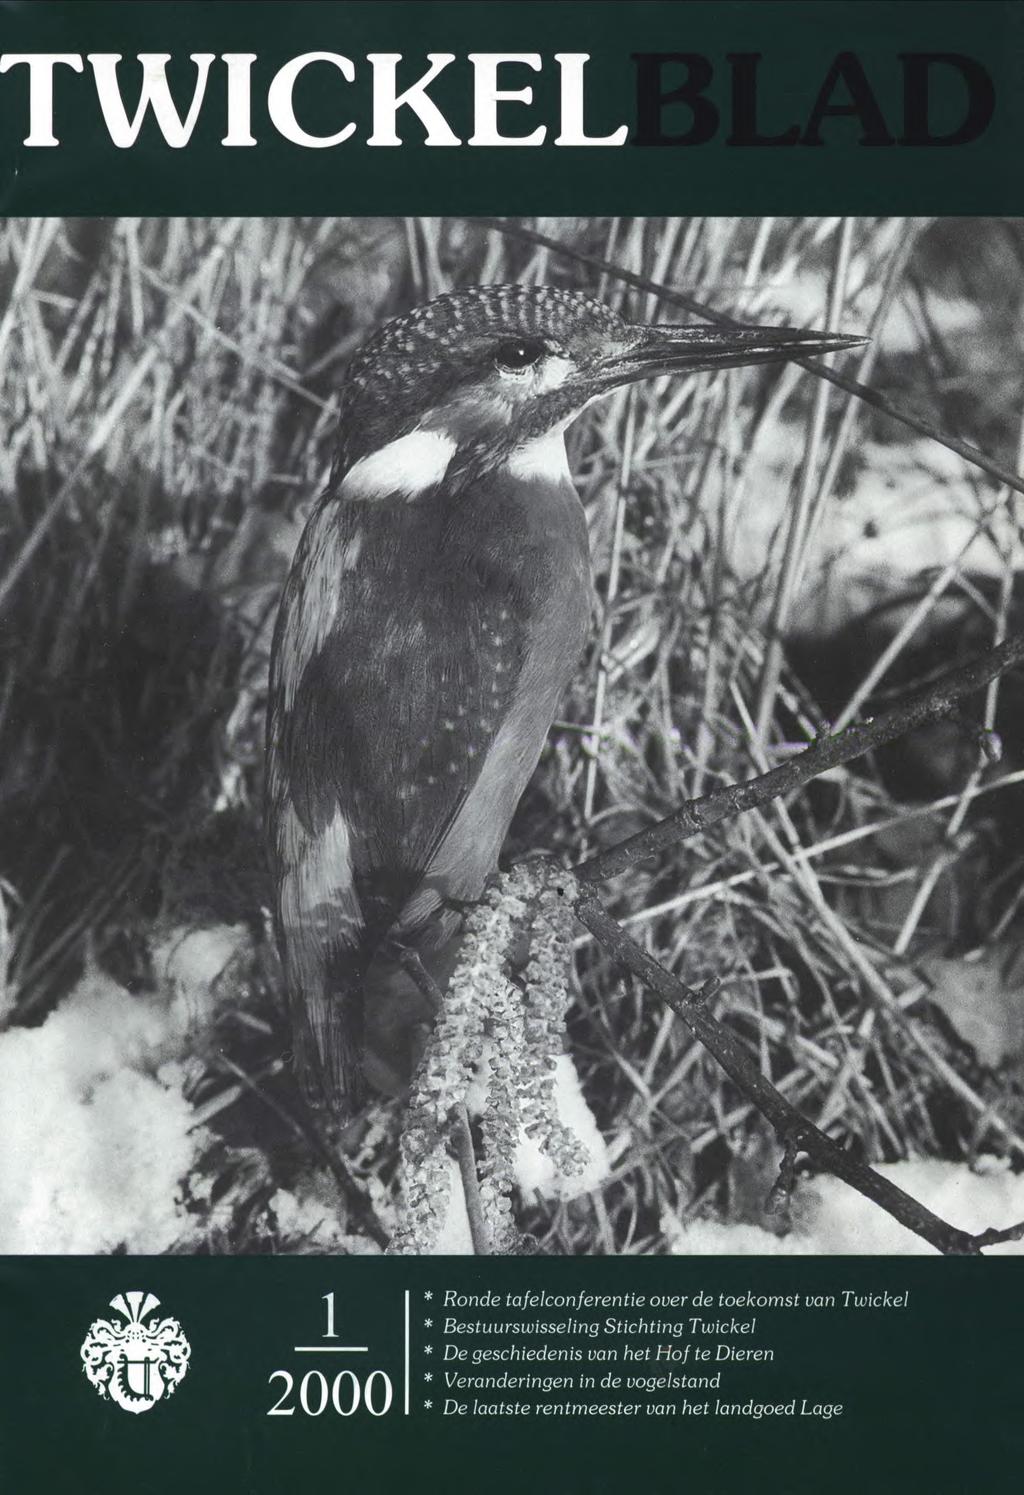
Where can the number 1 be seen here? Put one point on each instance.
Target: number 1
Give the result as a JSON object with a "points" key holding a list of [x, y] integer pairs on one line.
{"points": [[331, 1332]]}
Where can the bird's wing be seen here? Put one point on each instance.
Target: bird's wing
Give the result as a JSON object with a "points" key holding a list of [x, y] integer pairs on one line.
{"points": [[319, 917], [392, 676]]}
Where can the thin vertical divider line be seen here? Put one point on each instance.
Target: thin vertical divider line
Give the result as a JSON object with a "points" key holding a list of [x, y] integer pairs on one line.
{"points": [[406, 1352]]}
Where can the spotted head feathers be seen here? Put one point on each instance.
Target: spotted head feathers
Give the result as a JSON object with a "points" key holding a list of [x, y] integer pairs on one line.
{"points": [[487, 367]]}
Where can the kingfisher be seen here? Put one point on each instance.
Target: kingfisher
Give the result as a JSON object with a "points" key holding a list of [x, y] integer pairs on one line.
{"points": [[436, 609]]}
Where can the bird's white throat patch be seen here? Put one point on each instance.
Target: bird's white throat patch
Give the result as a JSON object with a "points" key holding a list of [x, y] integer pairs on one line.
{"points": [[416, 462], [408, 466], [543, 458]]}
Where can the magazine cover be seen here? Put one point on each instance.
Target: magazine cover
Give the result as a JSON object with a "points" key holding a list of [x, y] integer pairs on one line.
{"points": [[511, 746]]}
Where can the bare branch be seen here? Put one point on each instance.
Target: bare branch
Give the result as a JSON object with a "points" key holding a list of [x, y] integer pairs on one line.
{"points": [[795, 1132], [697, 816]]}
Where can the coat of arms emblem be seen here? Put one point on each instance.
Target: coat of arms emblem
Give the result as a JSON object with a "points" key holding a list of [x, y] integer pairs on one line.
{"points": [[135, 1363]]}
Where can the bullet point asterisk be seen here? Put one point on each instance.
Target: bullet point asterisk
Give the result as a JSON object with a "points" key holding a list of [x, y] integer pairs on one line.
{"points": [[428, 1375], [428, 1404], [428, 1295], [428, 1323], [428, 1349]]}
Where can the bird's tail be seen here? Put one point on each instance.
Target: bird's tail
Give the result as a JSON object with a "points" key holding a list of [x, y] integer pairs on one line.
{"points": [[327, 999], [357, 1017]]}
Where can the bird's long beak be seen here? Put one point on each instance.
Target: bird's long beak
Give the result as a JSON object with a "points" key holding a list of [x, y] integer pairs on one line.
{"points": [[667, 350]]}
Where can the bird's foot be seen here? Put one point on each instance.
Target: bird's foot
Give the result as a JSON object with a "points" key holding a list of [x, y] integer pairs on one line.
{"points": [[461, 905], [413, 966]]}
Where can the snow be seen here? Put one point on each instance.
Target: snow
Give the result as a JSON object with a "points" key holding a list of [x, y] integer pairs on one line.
{"points": [[538, 1173], [913, 509], [96, 1135], [307, 1222], [92, 1148], [191, 962], [535, 1171]]}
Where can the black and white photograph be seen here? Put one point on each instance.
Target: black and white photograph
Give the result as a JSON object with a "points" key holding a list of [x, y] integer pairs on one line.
{"points": [[511, 736]]}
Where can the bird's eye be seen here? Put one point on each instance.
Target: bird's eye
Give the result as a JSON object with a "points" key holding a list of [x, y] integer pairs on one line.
{"points": [[518, 353]]}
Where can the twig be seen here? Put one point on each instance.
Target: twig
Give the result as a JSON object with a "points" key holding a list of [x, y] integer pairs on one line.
{"points": [[697, 816], [797, 1134], [420, 977], [352, 1191], [462, 1138], [700, 309], [999, 1237], [781, 1192]]}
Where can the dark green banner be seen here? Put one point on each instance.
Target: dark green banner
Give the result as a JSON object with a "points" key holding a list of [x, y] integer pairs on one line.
{"points": [[551, 107], [704, 1374]]}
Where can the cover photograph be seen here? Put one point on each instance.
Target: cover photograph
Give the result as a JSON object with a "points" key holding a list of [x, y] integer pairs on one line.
{"points": [[511, 745]]}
